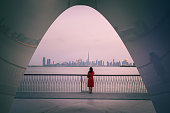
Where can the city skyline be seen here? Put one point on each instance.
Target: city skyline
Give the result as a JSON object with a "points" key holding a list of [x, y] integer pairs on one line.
{"points": [[87, 62]]}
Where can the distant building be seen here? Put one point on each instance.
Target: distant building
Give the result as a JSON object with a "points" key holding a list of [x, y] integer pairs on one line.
{"points": [[43, 61], [48, 61], [111, 64], [114, 62], [108, 63], [125, 63]]}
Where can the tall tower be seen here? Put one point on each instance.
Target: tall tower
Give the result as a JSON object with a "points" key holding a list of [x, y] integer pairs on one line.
{"points": [[88, 58]]}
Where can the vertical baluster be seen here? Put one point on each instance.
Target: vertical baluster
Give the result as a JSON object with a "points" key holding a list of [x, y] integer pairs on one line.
{"points": [[68, 85], [46, 83], [74, 82], [33, 82], [60, 83], [81, 82], [55, 83], [121, 88], [118, 78], [138, 84], [49, 83], [84, 83], [30, 84], [135, 84], [119, 84], [128, 85], [25, 88], [50, 79], [96, 85], [132, 79], [112, 84], [71, 81], [42, 82], [124, 84], [100, 84], [141, 88], [45, 79], [39, 83], [77, 84], [71, 84], [65, 79], [34, 85], [115, 83], [106, 84]]}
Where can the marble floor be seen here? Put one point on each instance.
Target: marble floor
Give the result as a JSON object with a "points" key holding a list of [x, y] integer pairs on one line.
{"points": [[81, 106]]}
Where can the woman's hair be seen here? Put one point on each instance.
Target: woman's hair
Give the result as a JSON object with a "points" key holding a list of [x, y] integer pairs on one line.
{"points": [[90, 69]]}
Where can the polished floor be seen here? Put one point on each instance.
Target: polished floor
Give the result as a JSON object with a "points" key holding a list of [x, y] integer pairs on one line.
{"points": [[81, 106]]}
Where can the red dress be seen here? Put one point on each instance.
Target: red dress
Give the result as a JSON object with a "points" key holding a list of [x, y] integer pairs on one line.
{"points": [[91, 80]]}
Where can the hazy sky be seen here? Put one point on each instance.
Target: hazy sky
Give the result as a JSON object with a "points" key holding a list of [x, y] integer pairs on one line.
{"points": [[76, 31]]}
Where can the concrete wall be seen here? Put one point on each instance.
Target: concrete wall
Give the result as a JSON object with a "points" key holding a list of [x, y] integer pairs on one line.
{"points": [[143, 27], [22, 25]]}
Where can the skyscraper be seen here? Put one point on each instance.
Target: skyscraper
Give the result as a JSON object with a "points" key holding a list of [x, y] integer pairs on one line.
{"points": [[43, 61], [48, 61], [88, 59]]}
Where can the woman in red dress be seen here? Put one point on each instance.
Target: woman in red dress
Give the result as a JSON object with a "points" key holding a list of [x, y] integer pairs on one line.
{"points": [[90, 79]]}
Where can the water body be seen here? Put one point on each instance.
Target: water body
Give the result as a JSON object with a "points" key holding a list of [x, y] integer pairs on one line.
{"points": [[83, 70]]}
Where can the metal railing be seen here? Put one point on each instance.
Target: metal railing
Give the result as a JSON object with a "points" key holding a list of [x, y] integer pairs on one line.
{"points": [[78, 83]]}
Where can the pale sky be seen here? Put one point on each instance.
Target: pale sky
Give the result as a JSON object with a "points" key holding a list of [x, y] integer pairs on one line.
{"points": [[76, 31]]}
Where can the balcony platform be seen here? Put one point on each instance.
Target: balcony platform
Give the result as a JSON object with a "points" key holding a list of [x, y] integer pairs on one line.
{"points": [[81, 106], [83, 95]]}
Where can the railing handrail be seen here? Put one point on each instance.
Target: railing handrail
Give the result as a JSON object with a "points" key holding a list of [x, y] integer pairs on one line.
{"points": [[72, 75], [78, 83]]}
